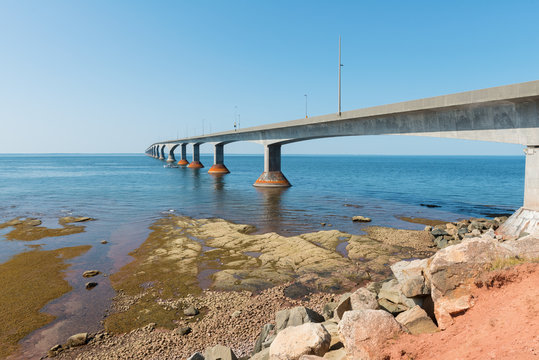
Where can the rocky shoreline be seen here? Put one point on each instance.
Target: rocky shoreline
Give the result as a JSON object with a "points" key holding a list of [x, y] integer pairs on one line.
{"points": [[209, 289], [304, 318]]}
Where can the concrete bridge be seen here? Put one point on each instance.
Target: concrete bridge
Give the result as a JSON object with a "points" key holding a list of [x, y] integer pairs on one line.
{"points": [[508, 114]]}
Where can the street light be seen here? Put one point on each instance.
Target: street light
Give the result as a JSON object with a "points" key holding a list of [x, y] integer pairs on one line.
{"points": [[306, 106], [340, 65]]}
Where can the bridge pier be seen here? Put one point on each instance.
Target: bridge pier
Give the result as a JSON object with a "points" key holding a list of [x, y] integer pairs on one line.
{"points": [[183, 160], [196, 164], [526, 219], [218, 166], [272, 175], [171, 157], [161, 150]]}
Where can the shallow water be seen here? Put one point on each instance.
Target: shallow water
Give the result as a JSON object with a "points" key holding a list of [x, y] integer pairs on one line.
{"points": [[126, 193]]}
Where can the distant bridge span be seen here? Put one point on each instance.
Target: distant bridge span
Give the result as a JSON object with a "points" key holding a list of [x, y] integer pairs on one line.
{"points": [[507, 114]]}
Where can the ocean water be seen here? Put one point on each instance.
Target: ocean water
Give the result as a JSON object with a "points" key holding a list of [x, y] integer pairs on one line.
{"points": [[126, 193]]}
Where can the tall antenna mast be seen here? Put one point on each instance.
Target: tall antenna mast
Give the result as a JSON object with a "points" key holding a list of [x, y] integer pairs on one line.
{"points": [[340, 65]]}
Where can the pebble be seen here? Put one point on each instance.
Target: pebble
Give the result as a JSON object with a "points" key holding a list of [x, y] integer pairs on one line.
{"points": [[184, 330], [90, 273], [191, 311], [90, 285]]}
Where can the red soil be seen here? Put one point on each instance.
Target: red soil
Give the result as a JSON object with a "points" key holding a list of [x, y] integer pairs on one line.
{"points": [[503, 324]]}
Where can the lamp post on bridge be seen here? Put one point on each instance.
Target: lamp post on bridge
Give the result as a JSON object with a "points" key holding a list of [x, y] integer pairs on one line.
{"points": [[306, 106], [340, 66]]}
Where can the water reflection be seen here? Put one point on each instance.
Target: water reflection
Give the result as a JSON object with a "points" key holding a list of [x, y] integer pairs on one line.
{"points": [[196, 178], [218, 181], [271, 199]]}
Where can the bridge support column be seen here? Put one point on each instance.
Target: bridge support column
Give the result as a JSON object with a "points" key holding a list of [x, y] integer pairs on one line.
{"points": [[196, 164], [171, 157], [183, 159], [272, 175], [526, 219], [218, 166], [531, 186], [161, 151]]}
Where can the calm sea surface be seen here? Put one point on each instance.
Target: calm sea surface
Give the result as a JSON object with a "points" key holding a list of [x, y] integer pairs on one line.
{"points": [[126, 193]]}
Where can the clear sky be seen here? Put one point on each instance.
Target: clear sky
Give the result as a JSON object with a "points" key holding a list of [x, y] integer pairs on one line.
{"points": [[115, 76]]}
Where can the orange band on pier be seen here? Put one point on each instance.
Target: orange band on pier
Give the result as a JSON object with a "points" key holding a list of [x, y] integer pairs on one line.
{"points": [[272, 179], [218, 169], [195, 165]]}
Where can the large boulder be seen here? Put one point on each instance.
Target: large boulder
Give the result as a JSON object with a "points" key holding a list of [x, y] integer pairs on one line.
{"points": [[416, 321], [296, 316], [451, 273], [364, 333], [219, 352], [411, 277], [363, 299], [293, 342], [391, 298], [343, 305], [526, 247]]}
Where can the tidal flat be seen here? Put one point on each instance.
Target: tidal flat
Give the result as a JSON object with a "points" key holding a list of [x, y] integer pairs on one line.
{"points": [[218, 265], [244, 272], [29, 281]]}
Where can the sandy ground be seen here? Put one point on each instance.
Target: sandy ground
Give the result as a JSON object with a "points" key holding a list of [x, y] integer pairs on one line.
{"points": [[503, 324]]}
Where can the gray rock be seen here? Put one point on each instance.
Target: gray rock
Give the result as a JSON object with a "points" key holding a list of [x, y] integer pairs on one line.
{"points": [[191, 311], [393, 300], [342, 306], [219, 352], [184, 330], [296, 316], [438, 232], [77, 340], [411, 278], [196, 356], [263, 337], [329, 309], [363, 299], [90, 285], [416, 321], [295, 341]]}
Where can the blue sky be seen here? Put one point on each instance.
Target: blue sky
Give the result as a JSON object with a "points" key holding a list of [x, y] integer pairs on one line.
{"points": [[115, 76]]}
